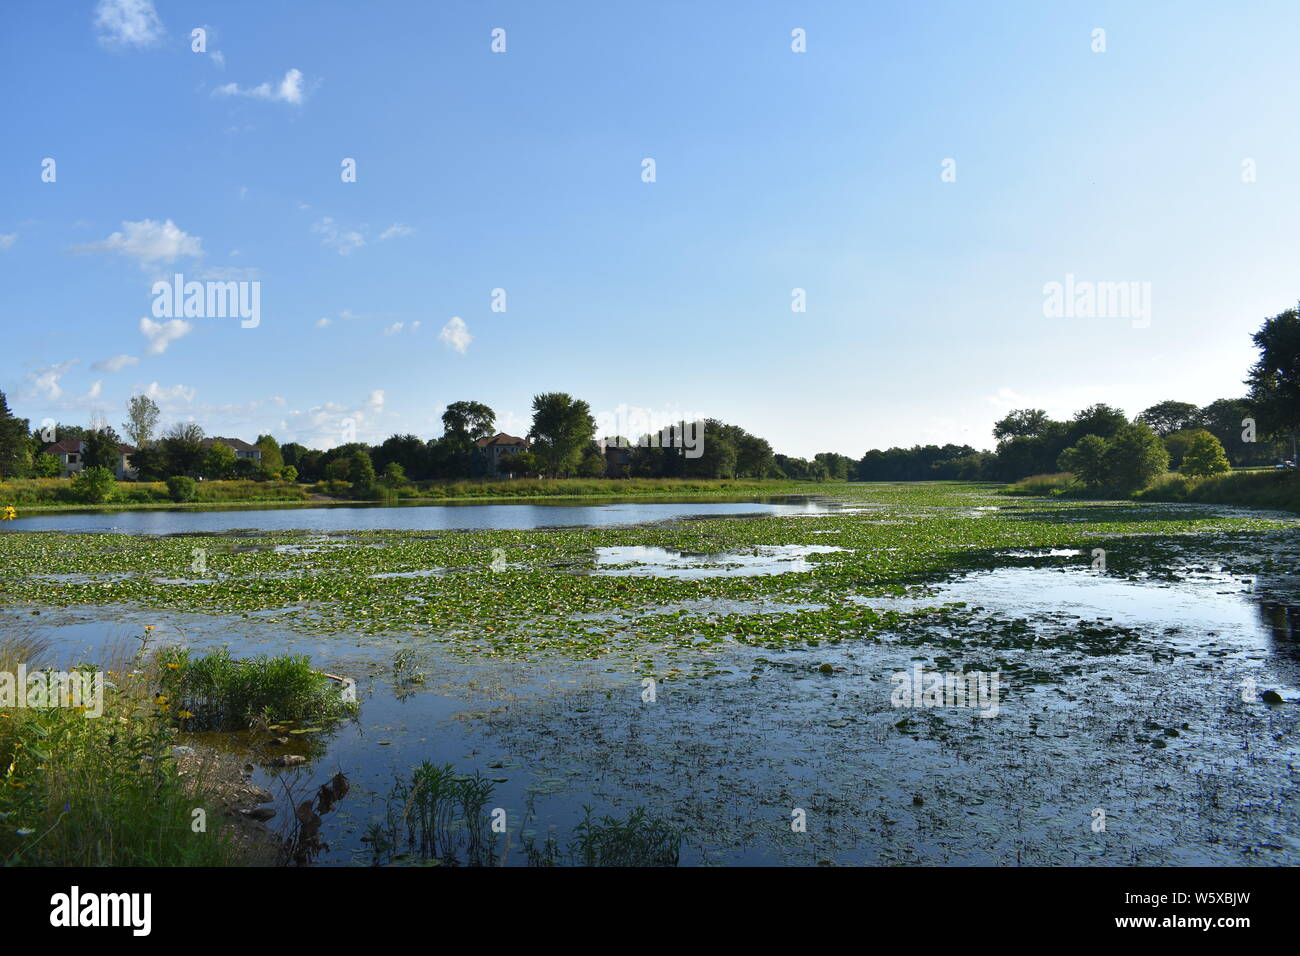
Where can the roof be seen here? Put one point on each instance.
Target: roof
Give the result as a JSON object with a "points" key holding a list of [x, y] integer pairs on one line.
{"points": [[501, 438], [72, 446], [237, 444]]}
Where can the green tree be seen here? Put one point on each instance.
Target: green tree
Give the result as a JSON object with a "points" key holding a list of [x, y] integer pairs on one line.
{"points": [[562, 428], [15, 446], [394, 474], [181, 488], [1225, 419], [1205, 456], [463, 424], [592, 464], [272, 459], [1177, 443], [1274, 379], [182, 448], [1135, 456], [361, 472], [219, 461], [1022, 423], [100, 449], [289, 473], [141, 420], [47, 466], [1100, 419], [1087, 460], [1165, 418], [93, 485]]}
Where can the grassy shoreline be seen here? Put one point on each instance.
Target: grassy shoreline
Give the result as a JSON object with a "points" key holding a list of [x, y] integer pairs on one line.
{"points": [[1266, 489], [460, 492]]}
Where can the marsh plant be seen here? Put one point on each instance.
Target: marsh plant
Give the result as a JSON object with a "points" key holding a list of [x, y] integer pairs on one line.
{"points": [[218, 692], [105, 792], [436, 816], [440, 816]]}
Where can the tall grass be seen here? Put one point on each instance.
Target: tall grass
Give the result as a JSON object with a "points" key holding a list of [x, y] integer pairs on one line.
{"points": [[603, 487], [1042, 486], [79, 790], [58, 491], [224, 693], [1275, 489]]}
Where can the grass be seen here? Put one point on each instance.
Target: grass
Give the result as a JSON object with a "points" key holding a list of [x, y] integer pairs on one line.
{"points": [[41, 494], [1249, 488], [1276, 489], [219, 692], [1039, 486], [100, 791]]}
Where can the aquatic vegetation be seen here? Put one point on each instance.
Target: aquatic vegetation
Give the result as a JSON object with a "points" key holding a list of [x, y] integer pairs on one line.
{"points": [[218, 692], [438, 816], [102, 791]]}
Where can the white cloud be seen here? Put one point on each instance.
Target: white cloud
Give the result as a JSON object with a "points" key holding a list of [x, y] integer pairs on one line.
{"points": [[455, 334], [288, 90], [323, 323], [218, 58], [115, 364], [393, 329], [163, 334], [7, 241], [333, 423], [125, 23], [395, 230], [170, 394], [344, 240], [94, 392], [149, 242], [45, 381]]}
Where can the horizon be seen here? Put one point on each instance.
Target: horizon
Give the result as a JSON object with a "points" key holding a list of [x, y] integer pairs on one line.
{"points": [[959, 172]]}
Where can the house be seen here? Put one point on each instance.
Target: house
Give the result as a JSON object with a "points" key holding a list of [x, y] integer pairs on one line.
{"points": [[497, 447], [242, 449], [70, 452], [618, 456]]}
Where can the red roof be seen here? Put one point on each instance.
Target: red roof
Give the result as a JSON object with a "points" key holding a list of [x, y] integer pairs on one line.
{"points": [[501, 438], [72, 446]]}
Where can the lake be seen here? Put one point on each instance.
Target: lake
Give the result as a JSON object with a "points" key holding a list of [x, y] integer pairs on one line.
{"points": [[441, 516]]}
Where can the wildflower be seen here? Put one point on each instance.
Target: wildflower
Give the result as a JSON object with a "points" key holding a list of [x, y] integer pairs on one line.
{"points": [[172, 665], [9, 513], [184, 714]]}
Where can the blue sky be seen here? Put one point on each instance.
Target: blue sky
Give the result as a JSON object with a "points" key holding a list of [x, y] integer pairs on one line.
{"points": [[522, 171]]}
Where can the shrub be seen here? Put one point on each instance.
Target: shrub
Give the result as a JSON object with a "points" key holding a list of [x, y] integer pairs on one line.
{"points": [[225, 693], [1205, 456], [181, 488], [289, 473], [1134, 457], [93, 485], [1087, 460]]}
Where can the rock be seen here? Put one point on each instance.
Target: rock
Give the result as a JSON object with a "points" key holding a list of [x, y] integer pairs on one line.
{"points": [[278, 741], [826, 669], [918, 800], [288, 760], [1271, 697], [182, 751], [261, 814]]}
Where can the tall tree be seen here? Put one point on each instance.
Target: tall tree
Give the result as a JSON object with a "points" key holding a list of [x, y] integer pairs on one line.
{"points": [[141, 420], [1165, 418], [15, 447], [1274, 380], [562, 427]]}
